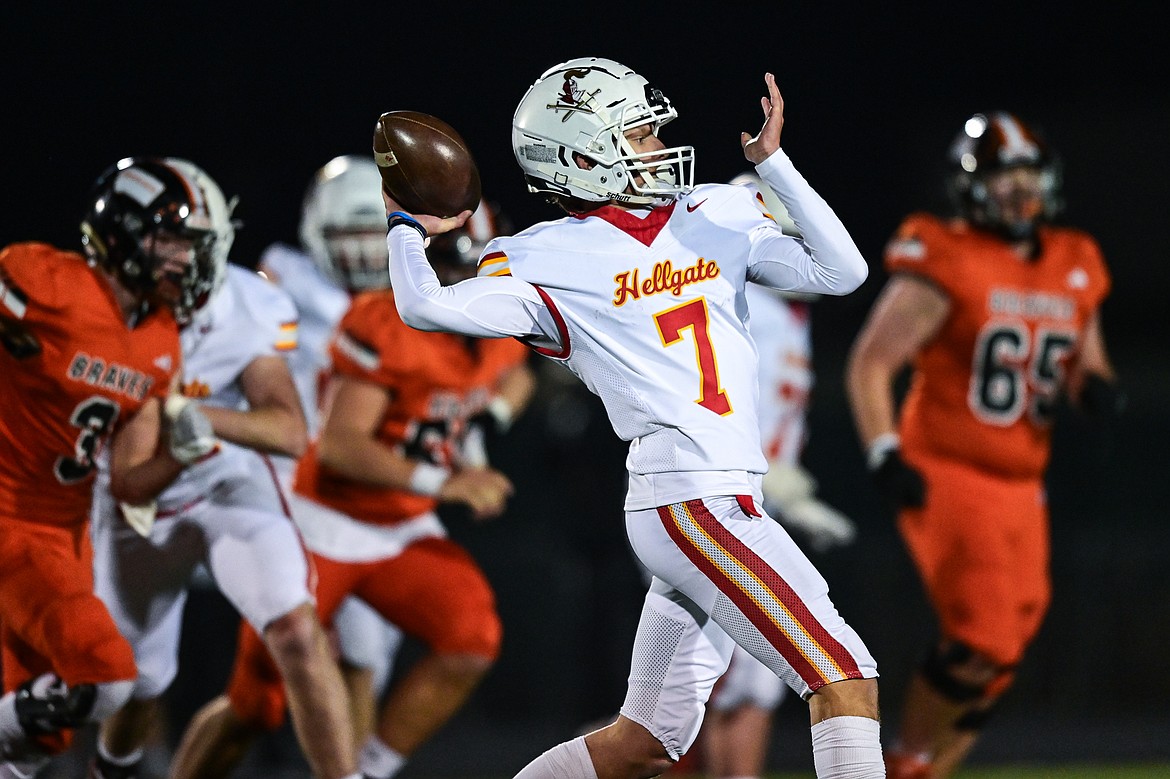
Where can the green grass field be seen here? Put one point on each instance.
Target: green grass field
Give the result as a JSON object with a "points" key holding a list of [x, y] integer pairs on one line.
{"points": [[1088, 771], [1097, 771]]}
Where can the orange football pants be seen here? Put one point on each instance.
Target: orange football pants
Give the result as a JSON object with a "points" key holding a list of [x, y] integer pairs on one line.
{"points": [[980, 544], [50, 619], [434, 591]]}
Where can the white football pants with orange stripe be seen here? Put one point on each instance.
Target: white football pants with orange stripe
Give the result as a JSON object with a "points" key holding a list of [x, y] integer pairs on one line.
{"points": [[725, 575]]}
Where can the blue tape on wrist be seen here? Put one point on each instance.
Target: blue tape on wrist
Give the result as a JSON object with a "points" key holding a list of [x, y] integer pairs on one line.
{"points": [[402, 218]]}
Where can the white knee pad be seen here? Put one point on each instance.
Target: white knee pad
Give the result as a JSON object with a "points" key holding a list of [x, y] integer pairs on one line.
{"points": [[367, 640]]}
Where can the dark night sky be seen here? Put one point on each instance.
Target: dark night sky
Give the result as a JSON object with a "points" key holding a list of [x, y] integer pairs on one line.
{"points": [[261, 95]]}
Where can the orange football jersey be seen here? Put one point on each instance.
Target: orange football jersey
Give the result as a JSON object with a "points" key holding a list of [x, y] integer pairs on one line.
{"points": [[437, 381], [92, 372], [984, 386]]}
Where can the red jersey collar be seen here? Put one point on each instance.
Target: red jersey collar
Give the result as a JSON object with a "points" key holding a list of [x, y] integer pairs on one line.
{"points": [[644, 230]]}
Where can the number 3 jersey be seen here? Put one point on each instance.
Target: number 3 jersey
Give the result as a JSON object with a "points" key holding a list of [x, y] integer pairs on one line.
{"points": [[60, 401], [985, 385], [436, 382]]}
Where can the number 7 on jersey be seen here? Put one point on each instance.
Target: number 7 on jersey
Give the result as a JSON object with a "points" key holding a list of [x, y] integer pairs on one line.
{"points": [[694, 315]]}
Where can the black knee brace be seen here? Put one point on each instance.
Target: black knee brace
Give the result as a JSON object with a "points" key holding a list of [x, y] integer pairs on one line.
{"points": [[46, 705], [938, 669], [976, 718]]}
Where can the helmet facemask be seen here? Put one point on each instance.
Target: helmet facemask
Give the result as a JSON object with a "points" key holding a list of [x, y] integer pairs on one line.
{"points": [[357, 256], [183, 276]]}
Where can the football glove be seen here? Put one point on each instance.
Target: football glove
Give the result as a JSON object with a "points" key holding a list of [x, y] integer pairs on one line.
{"points": [[191, 434], [900, 484], [823, 525], [789, 495]]}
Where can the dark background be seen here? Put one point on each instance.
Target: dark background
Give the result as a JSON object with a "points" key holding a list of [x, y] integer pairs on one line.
{"points": [[262, 95]]}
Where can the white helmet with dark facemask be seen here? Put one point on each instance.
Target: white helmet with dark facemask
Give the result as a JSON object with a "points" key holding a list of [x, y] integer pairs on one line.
{"points": [[343, 224], [584, 107]]}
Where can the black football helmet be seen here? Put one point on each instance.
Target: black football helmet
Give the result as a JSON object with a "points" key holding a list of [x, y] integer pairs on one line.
{"points": [[991, 143], [138, 199]]}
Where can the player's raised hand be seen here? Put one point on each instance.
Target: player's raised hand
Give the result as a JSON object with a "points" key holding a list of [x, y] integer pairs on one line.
{"points": [[765, 142], [434, 225]]}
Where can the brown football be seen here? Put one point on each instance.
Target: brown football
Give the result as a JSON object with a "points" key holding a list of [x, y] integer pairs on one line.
{"points": [[425, 164]]}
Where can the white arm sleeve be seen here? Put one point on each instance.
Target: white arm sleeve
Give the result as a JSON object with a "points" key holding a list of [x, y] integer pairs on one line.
{"points": [[490, 307], [825, 261]]}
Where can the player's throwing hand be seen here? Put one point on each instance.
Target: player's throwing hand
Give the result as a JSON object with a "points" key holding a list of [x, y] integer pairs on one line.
{"points": [[432, 224]]}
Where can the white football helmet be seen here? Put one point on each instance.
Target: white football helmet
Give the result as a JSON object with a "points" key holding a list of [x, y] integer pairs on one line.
{"points": [[343, 223], [585, 106], [223, 228]]}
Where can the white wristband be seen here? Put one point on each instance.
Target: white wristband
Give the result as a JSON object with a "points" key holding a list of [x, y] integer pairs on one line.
{"points": [[879, 448], [501, 411], [428, 479]]}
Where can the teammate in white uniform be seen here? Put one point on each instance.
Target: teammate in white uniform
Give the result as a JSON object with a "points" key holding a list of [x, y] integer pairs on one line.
{"points": [[343, 239], [640, 292], [343, 252], [738, 725], [227, 512]]}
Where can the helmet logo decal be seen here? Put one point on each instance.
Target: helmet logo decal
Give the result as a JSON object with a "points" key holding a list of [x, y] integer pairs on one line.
{"points": [[1017, 146], [139, 185], [572, 97]]}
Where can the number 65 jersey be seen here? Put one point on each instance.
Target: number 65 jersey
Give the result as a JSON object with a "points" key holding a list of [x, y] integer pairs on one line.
{"points": [[60, 400], [985, 385]]}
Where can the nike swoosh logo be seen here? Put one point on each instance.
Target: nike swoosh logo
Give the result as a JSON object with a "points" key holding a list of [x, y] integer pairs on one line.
{"points": [[692, 206]]}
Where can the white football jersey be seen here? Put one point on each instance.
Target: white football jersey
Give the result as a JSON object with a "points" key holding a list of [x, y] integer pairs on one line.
{"points": [[782, 332], [657, 331], [320, 304], [249, 317], [649, 310]]}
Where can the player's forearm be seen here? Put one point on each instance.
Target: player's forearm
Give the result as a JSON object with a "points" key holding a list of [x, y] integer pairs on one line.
{"points": [[361, 458], [483, 308], [516, 388], [271, 430], [869, 387], [837, 266], [141, 483]]}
